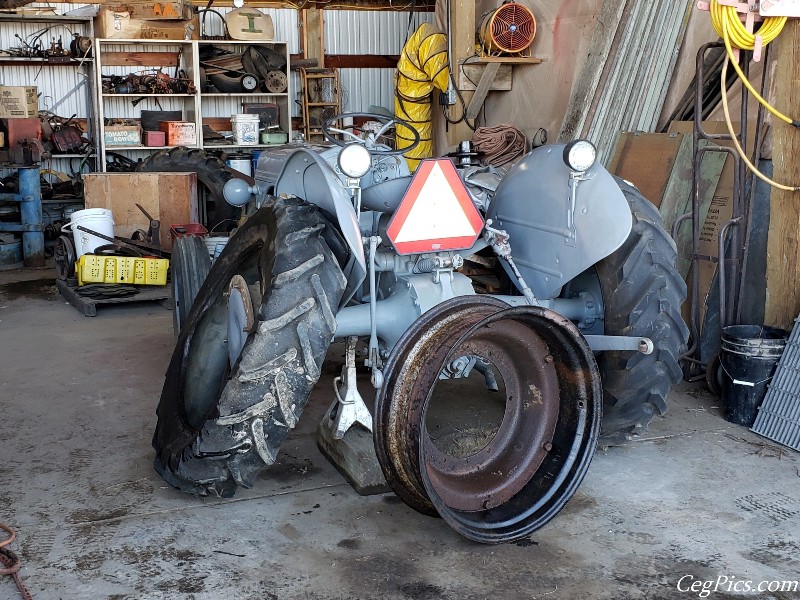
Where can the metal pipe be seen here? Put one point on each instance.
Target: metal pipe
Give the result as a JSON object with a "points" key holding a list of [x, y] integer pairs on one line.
{"points": [[676, 225], [374, 355], [748, 221], [31, 215], [698, 153], [723, 317]]}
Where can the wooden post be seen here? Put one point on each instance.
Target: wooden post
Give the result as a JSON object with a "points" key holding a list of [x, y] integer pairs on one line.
{"points": [[462, 31], [783, 247], [314, 35]]}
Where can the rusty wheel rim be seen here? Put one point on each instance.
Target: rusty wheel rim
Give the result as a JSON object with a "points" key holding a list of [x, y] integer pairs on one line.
{"points": [[558, 458], [496, 472], [405, 380]]}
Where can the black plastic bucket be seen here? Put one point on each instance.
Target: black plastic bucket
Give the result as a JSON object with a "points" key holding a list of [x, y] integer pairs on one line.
{"points": [[749, 356]]}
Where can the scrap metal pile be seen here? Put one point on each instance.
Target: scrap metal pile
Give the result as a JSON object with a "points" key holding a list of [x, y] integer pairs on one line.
{"points": [[148, 83]]}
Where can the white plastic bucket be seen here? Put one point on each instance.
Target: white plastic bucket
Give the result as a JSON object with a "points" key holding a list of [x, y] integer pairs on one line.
{"points": [[241, 162], [215, 245], [97, 219], [245, 129]]}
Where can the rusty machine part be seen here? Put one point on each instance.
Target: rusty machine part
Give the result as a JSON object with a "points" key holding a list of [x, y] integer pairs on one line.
{"points": [[148, 83], [276, 82], [535, 461], [80, 46], [392, 416], [65, 257], [509, 29], [24, 153]]}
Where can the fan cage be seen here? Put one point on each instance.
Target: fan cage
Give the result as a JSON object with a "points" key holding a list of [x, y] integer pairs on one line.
{"points": [[511, 29]]}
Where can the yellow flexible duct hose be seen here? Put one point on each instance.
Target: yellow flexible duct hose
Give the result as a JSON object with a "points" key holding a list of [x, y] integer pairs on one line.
{"points": [[422, 66]]}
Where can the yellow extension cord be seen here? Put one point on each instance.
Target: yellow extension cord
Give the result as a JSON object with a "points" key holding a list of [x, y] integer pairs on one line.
{"points": [[727, 24]]}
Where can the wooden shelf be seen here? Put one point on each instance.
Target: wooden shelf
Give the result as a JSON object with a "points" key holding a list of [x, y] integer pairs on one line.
{"points": [[41, 62], [243, 94], [148, 95], [41, 18], [117, 148], [505, 60], [223, 146]]}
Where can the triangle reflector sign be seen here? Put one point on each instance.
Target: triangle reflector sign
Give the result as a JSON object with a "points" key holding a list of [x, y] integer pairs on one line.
{"points": [[436, 213]]}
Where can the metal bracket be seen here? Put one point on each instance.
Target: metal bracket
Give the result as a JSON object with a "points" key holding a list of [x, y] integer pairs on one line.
{"points": [[599, 343], [348, 408], [498, 239], [574, 178]]}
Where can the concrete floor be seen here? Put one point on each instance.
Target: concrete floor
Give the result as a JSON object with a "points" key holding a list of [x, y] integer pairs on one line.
{"points": [[694, 497]]}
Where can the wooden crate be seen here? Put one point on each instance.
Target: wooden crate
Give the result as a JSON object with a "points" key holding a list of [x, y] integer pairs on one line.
{"points": [[168, 197]]}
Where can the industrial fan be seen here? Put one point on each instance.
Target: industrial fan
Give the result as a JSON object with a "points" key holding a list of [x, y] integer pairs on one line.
{"points": [[509, 29]]}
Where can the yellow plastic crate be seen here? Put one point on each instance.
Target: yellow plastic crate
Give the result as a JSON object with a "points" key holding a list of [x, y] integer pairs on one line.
{"points": [[121, 269]]}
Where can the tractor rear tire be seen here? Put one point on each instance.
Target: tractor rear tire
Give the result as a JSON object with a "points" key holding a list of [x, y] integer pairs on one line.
{"points": [[211, 172], [643, 293], [219, 426], [189, 264]]}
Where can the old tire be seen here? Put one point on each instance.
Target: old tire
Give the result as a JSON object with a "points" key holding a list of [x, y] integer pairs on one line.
{"points": [[211, 172], [218, 425], [189, 264], [642, 293]]}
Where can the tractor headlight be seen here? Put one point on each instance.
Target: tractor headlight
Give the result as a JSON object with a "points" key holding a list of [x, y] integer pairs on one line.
{"points": [[579, 155], [355, 160]]}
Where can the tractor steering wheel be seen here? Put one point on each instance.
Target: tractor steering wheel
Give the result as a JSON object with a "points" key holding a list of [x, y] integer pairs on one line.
{"points": [[387, 122]]}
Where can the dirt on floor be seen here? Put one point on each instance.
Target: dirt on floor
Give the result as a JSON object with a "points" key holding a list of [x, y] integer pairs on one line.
{"points": [[696, 507]]}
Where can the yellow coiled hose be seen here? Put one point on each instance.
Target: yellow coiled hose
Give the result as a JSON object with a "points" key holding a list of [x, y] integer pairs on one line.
{"points": [[729, 27]]}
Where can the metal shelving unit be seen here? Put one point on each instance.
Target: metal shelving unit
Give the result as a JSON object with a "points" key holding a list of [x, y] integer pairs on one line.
{"points": [[144, 55], [25, 71]]}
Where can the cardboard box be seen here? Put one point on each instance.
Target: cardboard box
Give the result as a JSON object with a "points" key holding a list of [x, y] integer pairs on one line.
{"points": [[155, 11], [117, 24], [170, 30], [155, 138], [18, 102], [122, 135], [179, 133], [169, 197]]}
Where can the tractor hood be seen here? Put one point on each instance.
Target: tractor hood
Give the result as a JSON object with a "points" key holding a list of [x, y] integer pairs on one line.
{"points": [[552, 242]]}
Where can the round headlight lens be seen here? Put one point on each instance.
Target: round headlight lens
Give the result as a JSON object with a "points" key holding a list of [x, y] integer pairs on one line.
{"points": [[355, 160], [580, 155]]}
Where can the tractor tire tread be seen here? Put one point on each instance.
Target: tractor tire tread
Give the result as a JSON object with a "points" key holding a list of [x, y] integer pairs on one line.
{"points": [[643, 294], [268, 387]]}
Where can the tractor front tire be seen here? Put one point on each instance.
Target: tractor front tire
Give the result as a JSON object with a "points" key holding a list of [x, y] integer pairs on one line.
{"points": [[642, 293], [189, 266], [220, 425]]}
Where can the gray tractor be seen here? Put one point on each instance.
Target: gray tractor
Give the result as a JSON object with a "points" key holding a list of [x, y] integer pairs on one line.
{"points": [[343, 242]]}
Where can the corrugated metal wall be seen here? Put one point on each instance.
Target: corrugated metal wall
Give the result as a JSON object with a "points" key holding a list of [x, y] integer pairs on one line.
{"points": [[379, 32], [64, 89]]}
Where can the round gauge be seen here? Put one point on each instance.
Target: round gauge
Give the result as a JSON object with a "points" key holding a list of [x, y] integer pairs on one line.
{"points": [[249, 82]]}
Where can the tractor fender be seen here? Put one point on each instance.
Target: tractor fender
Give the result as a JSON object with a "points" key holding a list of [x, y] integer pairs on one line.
{"points": [[307, 175], [532, 204]]}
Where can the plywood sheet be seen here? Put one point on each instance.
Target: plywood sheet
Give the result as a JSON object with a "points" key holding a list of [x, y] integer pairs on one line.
{"points": [[646, 160], [168, 197]]}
